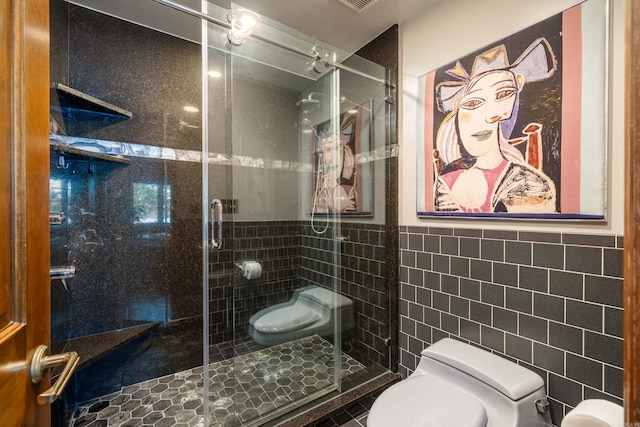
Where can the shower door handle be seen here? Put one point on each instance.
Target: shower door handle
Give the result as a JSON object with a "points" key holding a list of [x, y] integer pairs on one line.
{"points": [[42, 362], [216, 206]]}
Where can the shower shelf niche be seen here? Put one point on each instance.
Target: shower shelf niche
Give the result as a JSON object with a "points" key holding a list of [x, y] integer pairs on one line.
{"points": [[74, 100], [81, 112], [75, 153]]}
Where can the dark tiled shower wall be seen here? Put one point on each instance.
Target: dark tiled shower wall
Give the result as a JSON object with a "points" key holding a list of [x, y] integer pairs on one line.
{"points": [[550, 301], [292, 256], [275, 244], [363, 273]]}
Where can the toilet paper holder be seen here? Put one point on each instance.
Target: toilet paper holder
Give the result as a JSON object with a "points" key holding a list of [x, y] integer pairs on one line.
{"points": [[250, 269]]}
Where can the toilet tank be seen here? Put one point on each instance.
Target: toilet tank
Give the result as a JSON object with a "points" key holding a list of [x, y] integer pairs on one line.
{"points": [[511, 394], [331, 301], [324, 296]]}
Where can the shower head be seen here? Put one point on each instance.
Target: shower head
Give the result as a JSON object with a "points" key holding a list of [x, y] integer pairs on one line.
{"points": [[310, 102], [307, 105]]}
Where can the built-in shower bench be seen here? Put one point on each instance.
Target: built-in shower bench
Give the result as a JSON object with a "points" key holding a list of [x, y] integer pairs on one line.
{"points": [[92, 347]]}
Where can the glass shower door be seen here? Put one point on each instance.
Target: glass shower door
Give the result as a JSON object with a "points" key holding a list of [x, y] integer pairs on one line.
{"points": [[274, 304], [297, 212], [284, 324]]}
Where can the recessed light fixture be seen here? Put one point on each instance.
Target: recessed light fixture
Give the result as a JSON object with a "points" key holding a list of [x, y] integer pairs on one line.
{"points": [[215, 74], [191, 109]]}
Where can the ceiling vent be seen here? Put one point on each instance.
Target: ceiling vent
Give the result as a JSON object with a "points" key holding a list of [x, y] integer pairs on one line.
{"points": [[358, 5]]}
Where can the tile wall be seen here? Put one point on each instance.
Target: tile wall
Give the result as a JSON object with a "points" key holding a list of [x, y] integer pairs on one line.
{"points": [[293, 256], [275, 244], [364, 279], [551, 302]]}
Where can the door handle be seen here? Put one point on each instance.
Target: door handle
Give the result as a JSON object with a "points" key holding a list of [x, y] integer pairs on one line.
{"points": [[42, 361], [216, 206]]}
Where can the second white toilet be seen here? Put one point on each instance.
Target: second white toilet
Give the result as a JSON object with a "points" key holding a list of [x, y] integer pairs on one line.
{"points": [[312, 310]]}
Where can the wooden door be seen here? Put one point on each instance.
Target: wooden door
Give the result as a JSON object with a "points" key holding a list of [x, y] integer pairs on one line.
{"points": [[24, 206], [632, 219]]}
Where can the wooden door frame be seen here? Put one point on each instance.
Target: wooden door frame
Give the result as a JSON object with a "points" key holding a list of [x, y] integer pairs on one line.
{"points": [[632, 216], [33, 89], [34, 143], [25, 197]]}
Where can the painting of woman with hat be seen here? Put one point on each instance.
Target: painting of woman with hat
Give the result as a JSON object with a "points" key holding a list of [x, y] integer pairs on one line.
{"points": [[478, 167]]}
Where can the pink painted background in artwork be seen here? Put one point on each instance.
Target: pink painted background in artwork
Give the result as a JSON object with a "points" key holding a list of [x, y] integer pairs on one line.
{"points": [[429, 108], [571, 110], [359, 182]]}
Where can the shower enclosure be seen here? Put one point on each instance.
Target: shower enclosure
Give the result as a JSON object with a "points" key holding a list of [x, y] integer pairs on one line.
{"points": [[208, 167]]}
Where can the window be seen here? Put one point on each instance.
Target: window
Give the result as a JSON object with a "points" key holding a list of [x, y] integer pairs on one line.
{"points": [[151, 203], [56, 195]]}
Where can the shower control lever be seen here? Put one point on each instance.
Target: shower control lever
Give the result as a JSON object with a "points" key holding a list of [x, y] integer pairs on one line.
{"points": [[62, 272], [216, 207], [56, 218]]}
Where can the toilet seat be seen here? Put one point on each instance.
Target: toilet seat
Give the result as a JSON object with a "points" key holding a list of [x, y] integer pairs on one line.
{"points": [[426, 401], [285, 319]]}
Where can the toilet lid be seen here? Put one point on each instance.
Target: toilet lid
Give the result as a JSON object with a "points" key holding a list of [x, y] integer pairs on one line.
{"points": [[426, 401], [287, 318]]}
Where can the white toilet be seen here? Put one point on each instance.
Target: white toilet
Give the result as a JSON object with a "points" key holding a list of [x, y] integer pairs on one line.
{"points": [[458, 385], [595, 413], [312, 310]]}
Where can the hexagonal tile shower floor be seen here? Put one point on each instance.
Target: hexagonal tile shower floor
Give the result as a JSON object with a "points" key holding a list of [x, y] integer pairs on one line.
{"points": [[241, 390]]}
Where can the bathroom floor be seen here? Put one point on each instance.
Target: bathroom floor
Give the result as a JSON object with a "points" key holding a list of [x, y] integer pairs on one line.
{"points": [[243, 389]]}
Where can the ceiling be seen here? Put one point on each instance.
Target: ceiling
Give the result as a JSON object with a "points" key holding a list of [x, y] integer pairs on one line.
{"points": [[334, 23], [326, 20]]}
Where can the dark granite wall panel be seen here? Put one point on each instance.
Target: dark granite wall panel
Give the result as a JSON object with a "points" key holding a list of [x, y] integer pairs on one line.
{"points": [[131, 268], [384, 50], [126, 272], [151, 74], [550, 301]]}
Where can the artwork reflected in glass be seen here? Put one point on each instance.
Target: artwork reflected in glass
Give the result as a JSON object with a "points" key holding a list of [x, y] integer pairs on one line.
{"points": [[341, 181], [509, 131]]}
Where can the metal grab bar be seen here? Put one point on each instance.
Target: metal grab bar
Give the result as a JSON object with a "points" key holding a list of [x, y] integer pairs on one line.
{"points": [[216, 204]]}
